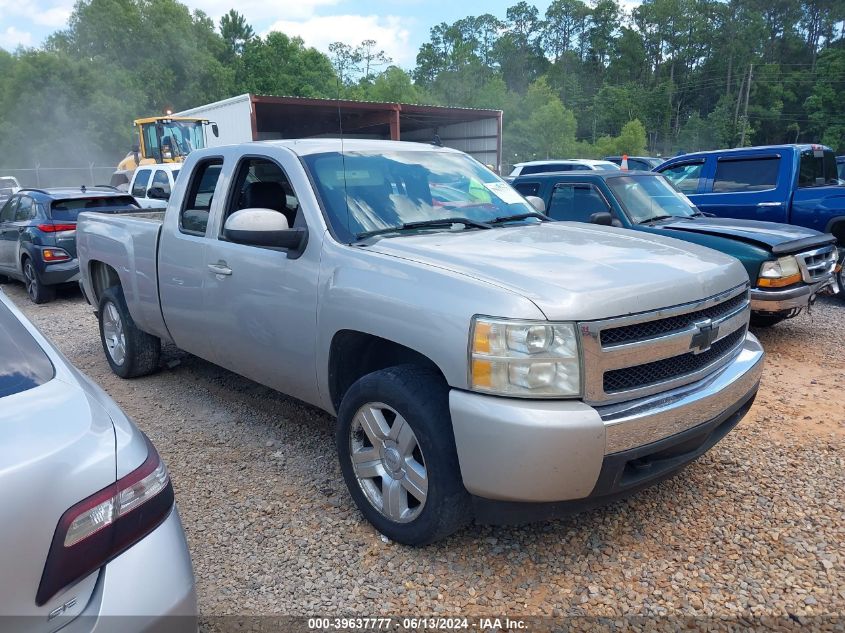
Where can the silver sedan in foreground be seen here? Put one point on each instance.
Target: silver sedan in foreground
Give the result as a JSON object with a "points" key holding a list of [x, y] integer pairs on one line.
{"points": [[90, 537]]}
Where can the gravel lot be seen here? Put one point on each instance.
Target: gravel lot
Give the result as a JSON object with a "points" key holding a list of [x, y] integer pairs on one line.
{"points": [[755, 527]]}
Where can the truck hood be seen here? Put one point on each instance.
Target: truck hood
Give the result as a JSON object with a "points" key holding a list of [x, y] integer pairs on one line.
{"points": [[575, 271], [767, 235]]}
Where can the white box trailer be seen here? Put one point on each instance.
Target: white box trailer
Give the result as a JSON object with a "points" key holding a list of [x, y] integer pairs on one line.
{"points": [[249, 117]]}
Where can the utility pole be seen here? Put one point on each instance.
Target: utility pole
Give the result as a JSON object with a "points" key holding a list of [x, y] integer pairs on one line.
{"points": [[745, 116]]}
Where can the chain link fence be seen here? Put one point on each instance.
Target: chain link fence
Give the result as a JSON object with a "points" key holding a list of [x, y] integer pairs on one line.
{"points": [[38, 176]]}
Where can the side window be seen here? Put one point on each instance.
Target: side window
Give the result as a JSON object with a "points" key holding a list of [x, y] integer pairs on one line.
{"points": [[576, 202], [139, 189], [7, 213], [193, 218], [26, 209], [161, 180], [754, 174], [261, 183], [684, 176], [527, 188]]}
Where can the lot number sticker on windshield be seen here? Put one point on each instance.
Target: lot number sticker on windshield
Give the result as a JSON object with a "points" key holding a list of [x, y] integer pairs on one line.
{"points": [[504, 192]]}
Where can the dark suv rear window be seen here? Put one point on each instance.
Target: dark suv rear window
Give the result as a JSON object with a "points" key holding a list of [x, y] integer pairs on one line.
{"points": [[23, 364], [69, 209]]}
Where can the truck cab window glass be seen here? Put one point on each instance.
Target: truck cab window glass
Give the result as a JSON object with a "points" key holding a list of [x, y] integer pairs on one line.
{"points": [[261, 183], [139, 188], [7, 214], [160, 180], [685, 177], [527, 188], [753, 174], [193, 218], [817, 171], [26, 210], [369, 191], [575, 202]]}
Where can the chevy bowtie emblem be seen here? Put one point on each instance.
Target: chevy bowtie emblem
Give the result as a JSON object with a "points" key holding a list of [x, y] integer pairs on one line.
{"points": [[704, 336]]}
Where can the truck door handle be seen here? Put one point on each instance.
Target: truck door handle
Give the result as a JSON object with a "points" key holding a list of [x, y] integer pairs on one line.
{"points": [[220, 268], [768, 204]]}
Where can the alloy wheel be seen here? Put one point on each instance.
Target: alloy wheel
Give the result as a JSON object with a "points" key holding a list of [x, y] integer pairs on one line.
{"points": [[388, 462], [113, 334]]}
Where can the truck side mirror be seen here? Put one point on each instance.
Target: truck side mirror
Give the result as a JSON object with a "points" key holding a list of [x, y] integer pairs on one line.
{"points": [[264, 227], [537, 203], [602, 217]]}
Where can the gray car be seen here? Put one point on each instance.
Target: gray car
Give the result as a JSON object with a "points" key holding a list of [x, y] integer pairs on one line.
{"points": [[91, 538]]}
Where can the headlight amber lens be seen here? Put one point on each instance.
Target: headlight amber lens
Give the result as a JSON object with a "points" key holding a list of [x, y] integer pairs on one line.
{"points": [[525, 358], [779, 273]]}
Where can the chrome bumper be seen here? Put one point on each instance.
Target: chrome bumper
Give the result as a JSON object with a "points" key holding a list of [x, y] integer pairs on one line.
{"points": [[781, 300], [554, 450]]}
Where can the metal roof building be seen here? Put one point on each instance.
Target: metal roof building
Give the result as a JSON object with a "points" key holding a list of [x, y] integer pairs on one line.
{"points": [[251, 117]]}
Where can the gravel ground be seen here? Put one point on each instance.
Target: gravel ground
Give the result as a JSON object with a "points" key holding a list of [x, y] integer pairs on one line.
{"points": [[755, 527]]}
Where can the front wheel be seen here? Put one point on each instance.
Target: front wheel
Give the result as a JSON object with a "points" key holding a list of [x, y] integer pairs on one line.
{"points": [[36, 289], [130, 352], [397, 454]]}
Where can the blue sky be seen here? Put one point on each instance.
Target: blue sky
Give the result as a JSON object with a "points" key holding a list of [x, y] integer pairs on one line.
{"points": [[399, 26]]}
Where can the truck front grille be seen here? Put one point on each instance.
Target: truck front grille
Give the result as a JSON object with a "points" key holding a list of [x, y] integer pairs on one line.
{"points": [[817, 264], [643, 354], [650, 329], [670, 368]]}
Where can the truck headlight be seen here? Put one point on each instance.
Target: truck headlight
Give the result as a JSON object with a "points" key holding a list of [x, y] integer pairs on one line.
{"points": [[530, 359], [780, 272]]}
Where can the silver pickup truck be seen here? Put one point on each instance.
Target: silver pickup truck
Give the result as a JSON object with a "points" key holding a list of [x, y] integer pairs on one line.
{"points": [[482, 363]]}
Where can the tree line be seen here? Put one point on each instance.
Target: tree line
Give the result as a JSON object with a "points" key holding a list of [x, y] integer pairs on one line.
{"points": [[580, 79]]}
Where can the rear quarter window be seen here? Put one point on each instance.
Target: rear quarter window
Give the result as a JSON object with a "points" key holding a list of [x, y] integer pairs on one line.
{"points": [[527, 188], [23, 364], [751, 174]]}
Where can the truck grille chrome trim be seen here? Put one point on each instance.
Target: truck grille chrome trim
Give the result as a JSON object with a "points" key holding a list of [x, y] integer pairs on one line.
{"points": [[642, 354], [816, 264]]}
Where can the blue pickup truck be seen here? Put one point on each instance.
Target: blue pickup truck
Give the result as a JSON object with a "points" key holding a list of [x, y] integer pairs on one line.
{"points": [[787, 265], [794, 184]]}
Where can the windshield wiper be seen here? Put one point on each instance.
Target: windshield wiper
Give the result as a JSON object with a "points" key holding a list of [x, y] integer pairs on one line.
{"points": [[521, 216], [656, 218], [408, 226]]}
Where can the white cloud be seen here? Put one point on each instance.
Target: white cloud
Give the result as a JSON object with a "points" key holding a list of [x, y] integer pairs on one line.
{"points": [[389, 32], [53, 14], [260, 12], [11, 38]]}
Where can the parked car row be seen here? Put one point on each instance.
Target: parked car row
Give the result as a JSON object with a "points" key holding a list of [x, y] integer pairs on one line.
{"points": [[484, 362]]}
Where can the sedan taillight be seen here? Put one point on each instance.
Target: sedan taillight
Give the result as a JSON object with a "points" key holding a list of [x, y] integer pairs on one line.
{"points": [[106, 524]]}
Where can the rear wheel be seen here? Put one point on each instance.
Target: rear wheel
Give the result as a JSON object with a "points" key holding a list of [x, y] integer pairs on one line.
{"points": [[130, 352], [36, 289], [397, 454], [764, 319]]}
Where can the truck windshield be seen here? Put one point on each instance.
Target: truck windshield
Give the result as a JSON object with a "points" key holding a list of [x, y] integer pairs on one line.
{"points": [[373, 191], [69, 210], [818, 168], [646, 198]]}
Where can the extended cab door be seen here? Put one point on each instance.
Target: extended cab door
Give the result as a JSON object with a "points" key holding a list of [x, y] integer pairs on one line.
{"points": [[8, 234], [752, 185], [262, 302]]}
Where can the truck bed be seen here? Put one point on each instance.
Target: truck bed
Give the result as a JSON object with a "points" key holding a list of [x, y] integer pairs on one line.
{"points": [[127, 244]]}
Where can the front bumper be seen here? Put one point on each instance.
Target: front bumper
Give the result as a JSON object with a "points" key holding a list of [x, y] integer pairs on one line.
{"points": [[150, 587], [782, 300], [545, 451]]}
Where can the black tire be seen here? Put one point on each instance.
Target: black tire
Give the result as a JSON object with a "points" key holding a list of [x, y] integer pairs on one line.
{"points": [[763, 319], [37, 290], [141, 351], [421, 397]]}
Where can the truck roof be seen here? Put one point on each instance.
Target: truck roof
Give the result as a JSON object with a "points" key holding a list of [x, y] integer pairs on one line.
{"points": [[564, 161], [785, 146], [584, 175], [306, 146]]}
